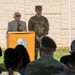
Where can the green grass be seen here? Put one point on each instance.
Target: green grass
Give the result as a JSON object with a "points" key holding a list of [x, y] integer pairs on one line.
{"points": [[61, 52], [2, 57], [2, 60], [57, 55]]}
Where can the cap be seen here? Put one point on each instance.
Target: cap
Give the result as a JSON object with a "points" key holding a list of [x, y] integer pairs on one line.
{"points": [[38, 7], [48, 42]]}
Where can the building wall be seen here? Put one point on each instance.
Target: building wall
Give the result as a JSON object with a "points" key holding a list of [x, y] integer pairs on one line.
{"points": [[7, 9], [56, 12]]}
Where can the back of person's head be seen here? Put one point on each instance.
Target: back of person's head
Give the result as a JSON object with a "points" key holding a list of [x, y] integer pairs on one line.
{"points": [[25, 56], [65, 59], [12, 60], [0, 52], [48, 44], [72, 59], [73, 46]]}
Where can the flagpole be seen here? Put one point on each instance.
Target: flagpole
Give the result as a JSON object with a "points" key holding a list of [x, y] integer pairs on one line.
{"points": [[70, 39]]}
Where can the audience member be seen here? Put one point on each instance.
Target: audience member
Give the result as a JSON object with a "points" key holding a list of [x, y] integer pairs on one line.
{"points": [[1, 69], [71, 64], [46, 64], [13, 61], [25, 57], [65, 59]]}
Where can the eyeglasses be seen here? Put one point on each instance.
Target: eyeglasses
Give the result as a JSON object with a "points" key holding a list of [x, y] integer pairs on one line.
{"points": [[18, 15]]}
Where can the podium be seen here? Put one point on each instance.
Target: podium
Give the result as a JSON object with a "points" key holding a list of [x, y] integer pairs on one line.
{"points": [[25, 38]]}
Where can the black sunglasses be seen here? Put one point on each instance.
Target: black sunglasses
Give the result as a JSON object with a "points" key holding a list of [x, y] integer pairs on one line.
{"points": [[18, 15]]}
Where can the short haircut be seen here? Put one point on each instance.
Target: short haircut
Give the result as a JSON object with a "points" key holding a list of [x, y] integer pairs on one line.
{"points": [[16, 13], [65, 59], [73, 46], [72, 58]]}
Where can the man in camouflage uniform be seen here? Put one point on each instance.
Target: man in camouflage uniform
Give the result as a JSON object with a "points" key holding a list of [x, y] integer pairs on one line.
{"points": [[39, 24], [46, 64]]}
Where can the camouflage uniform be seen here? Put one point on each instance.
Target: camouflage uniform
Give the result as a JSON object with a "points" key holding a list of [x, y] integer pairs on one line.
{"points": [[40, 26], [71, 72], [46, 65]]}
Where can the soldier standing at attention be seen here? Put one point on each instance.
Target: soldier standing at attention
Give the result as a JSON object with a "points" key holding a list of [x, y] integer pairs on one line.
{"points": [[39, 24]]}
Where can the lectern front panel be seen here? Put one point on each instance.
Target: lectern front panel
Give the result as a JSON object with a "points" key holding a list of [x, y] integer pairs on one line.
{"points": [[25, 38]]}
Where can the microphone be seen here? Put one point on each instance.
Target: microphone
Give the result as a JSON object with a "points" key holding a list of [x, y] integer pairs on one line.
{"points": [[18, 25], [19, 28]]}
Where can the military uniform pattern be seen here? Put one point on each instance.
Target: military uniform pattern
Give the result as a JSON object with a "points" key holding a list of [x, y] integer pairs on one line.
{"points": [[46, 65], [71, 71], [40, 26]]}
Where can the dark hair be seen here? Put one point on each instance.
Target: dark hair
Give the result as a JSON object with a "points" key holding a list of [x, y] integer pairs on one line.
{"points": [[65, 59], [72, 59], [48, 42], [12, 59], [25, 56], [73, 46], [0, 51]]}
